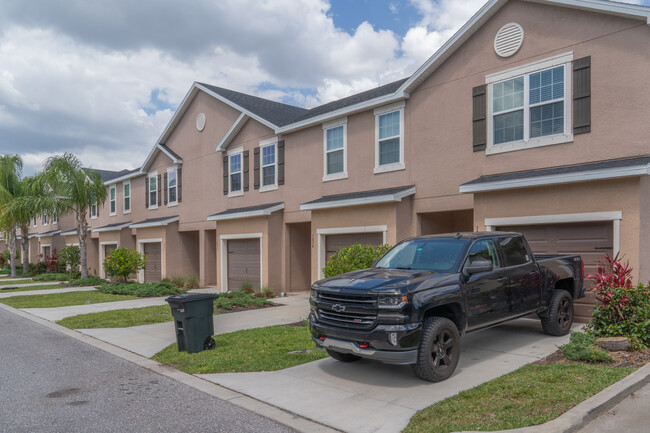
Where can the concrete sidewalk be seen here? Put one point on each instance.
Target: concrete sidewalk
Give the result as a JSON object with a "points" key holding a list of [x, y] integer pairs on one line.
{"points": [[147, 340], [58, 313], [46, 291], [367, 396], [34, 283]]}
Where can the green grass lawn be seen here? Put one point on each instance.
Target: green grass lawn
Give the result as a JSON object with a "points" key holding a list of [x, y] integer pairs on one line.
{"points": [[532, 395], [5, 283], [62, 299], [29, 288], [260, 349], [148, 315]]}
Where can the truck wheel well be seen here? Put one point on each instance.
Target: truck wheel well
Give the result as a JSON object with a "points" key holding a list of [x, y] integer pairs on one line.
{"points": [[566, 284], [450, 311]]}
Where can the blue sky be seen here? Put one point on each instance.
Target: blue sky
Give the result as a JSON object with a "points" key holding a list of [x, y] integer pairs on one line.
{"points": [[102, 79]]}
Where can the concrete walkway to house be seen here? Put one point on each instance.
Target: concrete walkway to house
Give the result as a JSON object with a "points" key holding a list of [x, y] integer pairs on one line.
{"points": [[46, 292], [147, 340], [34, 283], [58, 313], [15, 279], [367, 396]]}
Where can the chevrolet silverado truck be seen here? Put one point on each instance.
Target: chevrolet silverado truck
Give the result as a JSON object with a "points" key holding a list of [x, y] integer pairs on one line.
{"points": [[415, 303]]}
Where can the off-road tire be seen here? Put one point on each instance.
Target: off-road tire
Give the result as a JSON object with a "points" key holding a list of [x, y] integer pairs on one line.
{"points": [[560, 314], [439, 350], [343, 357]]}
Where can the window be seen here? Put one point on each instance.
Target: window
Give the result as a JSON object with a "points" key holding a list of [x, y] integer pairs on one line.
{"points": [[335, 147], [126, 192], [514, 251], [93, 210], [235, 170], [530, 106], [55, 218], [34, 222], [389, 151], [153, 191], [44, 219], [113, 199], [269, 163], [172, 187], [484, 249]]}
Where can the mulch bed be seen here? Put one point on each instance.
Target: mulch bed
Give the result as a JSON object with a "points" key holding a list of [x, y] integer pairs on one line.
{"points": [[636, 359], [237, 309]]}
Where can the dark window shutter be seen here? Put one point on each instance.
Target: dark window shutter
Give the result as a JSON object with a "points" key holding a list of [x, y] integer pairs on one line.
{"points": [[479, 114], [246, 170], [179, 183], [582, 95], [165, 188], [281, 162], [158, 201], [256, 168], [225, 175], [146, 192]]}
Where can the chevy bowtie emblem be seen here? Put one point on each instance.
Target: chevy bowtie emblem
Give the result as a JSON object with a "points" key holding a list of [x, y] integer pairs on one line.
{"points": [[338, 308]]}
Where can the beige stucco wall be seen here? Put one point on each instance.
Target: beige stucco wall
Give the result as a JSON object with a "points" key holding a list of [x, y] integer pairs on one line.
{"points": [[614, 195], [644, 230]]}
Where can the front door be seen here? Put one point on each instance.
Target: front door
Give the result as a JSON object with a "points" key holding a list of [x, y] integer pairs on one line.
{"points": [[153, 265]]}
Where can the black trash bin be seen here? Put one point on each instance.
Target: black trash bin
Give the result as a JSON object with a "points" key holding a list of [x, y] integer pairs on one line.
{"points": [[192, 314]]}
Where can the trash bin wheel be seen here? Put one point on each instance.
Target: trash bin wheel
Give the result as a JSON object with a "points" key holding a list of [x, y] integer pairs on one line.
{"points": [[209, 344]]}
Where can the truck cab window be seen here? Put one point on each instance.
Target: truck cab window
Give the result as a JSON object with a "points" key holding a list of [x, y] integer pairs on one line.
{"points": [[484, 250], [514, 251]]}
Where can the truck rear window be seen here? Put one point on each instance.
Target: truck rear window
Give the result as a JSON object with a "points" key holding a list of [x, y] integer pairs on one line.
{"points": [[440, 255]]}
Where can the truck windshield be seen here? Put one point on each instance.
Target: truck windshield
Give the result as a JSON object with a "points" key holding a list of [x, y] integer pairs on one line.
{"points": [[440, 255]]}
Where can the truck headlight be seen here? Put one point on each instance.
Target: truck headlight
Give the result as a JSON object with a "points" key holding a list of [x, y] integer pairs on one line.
{"points": [[393, 302], [313, 296]]}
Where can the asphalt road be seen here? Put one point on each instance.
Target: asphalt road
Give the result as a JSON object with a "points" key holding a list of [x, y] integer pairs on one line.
{"points": [[50, 382]]}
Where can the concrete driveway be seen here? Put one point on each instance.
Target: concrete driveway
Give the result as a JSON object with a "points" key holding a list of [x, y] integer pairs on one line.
{"points": [[368, 396]]}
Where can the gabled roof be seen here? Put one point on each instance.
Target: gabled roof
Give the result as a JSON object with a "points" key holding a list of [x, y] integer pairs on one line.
{"points": [[360, 198], [610, 169], [155, 151]]}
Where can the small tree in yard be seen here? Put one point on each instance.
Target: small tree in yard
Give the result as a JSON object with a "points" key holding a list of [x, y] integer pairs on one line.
{"points": [[122, 262], [353, 258], [70, 256]]}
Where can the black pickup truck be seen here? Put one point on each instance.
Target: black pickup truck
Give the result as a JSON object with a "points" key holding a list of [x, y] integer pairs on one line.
{"points": [[413, 305]]}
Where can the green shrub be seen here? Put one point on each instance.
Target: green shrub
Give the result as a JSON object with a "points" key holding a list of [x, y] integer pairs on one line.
{"points": [[581, 348], [268, 292], [70, 257], [353, 258], [142, 290], [247, 287], [90, 281], [51, 277], [177, 281], [122, 262], [191, 283], [229, 300], [621, 310], [37, 269]]}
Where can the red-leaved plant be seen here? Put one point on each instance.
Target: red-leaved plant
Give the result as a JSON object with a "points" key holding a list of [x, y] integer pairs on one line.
{"points": [[610, 274]]}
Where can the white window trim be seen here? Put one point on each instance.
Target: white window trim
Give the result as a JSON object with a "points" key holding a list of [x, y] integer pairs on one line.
{"points": [[102, 256], [615, 217], [331, 125], [265, 143], [110, 202], [43, 246], [322, 233], [90, 211], [223, 256], [45, 220], [396, 165], [173, 169], [124, 209], [55, 218], [231, 193], [35, 222], [154, 175], [548, 140], [163, 266]]}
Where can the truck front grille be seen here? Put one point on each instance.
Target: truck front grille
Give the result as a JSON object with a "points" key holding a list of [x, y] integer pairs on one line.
{"points": [[346, 310]]}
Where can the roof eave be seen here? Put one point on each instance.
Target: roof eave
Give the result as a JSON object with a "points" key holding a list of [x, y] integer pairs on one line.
{"points": [[232, 132], [154, 223], [378, 199], [249, 214]]}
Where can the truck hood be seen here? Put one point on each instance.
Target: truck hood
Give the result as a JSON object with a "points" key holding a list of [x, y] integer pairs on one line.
{"points": [[380, 279]]}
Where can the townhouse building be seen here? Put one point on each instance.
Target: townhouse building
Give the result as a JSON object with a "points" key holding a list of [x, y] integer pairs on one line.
{"points": [[532, 117]]}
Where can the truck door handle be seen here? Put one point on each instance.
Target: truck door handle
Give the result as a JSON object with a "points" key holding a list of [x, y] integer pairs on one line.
{"points": [[533, 273], [502, 279]]}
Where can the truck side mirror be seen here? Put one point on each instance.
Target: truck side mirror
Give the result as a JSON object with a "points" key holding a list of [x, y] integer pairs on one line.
{"points": [[479, 266]]}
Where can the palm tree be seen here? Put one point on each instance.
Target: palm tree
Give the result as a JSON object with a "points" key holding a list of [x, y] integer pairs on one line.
{"points": [[11, 167], [70, 188]]}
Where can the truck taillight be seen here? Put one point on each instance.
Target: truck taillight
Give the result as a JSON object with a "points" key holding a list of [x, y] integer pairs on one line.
{"points": [[582, 268]]}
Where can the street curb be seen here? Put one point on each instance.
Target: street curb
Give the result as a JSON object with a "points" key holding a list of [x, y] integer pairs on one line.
{"points": [[582, 414], [259, 407]]}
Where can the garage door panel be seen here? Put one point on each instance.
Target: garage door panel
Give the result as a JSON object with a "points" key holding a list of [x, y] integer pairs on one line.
{"points": [[333, 243], [243, 262]]}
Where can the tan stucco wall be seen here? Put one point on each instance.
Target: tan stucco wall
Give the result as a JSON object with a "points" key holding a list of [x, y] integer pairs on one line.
{"points": [[644, 230], [614, 195]]}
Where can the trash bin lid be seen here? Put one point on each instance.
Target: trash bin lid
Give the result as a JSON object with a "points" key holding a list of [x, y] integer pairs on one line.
{"points": [[191, 297]]}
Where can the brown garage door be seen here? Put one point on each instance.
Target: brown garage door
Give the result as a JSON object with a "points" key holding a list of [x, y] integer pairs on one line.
{"points": [[333, 243], [243, 262], [153, 265], [591, 240]]}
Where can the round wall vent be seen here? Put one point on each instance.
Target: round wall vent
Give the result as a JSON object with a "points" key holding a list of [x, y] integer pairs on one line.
{"points": [[508, 39], [200, 121]]}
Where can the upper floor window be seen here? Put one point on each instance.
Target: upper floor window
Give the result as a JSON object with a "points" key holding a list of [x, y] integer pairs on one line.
{"points": [[126, 192], [172, 187], [530, 106], [235, 172], [93, 210], [55, 218], [335, 150], [389, 132], [34, 223], [269, 166], [113, 199], [45, 219], [152, 190]]}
